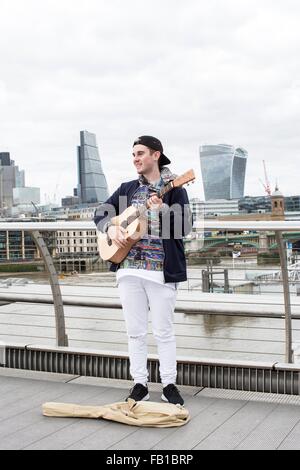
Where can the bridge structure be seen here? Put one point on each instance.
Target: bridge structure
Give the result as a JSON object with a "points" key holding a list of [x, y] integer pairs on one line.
{"points": [[293, 274], [102, 376], [207, 243]]}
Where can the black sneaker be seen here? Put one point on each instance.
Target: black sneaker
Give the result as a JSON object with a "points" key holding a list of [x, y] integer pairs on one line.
{"points": [[139, 393], [171, 395]]}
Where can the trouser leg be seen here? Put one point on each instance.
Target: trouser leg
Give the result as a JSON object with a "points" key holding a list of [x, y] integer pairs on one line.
{"points": [[135, 310], [162, 301]]}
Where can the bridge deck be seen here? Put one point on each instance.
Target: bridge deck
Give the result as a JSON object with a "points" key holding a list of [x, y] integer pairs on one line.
{"points": [[220, 419]]}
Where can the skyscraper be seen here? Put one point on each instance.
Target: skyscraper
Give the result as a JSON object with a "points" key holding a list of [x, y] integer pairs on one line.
{"points": [[10, 177], [92, 185], [223, 171]]}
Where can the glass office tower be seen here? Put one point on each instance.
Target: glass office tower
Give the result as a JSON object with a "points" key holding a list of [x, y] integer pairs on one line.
{"points": [[223, 171], [10, 177], [92, 185]]}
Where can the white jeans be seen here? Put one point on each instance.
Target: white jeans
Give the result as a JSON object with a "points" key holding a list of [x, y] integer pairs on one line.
{"points": [[138, 296]]}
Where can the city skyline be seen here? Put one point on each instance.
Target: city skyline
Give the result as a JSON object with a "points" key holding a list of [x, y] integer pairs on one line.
{"points": [[198, 192], [183, 83]]}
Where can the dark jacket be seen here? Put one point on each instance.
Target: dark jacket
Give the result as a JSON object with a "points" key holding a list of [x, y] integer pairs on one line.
{"points": [[174, 261]]}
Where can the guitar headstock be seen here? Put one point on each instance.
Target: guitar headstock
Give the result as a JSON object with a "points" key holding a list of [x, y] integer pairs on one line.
{"points": [[187, 177]]}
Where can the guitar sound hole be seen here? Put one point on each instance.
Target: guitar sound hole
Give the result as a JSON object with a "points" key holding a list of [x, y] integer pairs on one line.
{"points": [[109, 241]]}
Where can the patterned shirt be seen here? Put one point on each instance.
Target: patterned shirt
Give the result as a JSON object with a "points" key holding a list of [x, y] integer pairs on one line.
{"points": [[147, 253]]}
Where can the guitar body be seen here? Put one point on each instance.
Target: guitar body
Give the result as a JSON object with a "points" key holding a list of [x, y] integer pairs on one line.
{"points": [[108, 250]]}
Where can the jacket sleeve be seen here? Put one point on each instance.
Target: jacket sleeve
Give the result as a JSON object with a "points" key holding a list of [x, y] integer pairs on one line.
{"points": [[179, 216], [106, 211]]}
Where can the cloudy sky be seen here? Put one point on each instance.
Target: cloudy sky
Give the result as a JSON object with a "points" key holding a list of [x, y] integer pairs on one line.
{"points": [[188, 72]]}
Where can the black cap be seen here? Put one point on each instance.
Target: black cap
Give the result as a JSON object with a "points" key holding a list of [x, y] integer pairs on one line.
{"points": [[154, 144]]}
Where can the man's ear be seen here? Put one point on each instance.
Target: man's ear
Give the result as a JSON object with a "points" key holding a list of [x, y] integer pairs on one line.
{"points": [[158, 154]]}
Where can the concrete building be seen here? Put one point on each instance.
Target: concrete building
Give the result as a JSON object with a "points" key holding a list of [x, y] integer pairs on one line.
{"points": [[77, 212], [197, 208], [258, 204], [277, 210], [213, 208], [292, 203], [76, 242], [70, 201], [19, 245], [263, 205]]}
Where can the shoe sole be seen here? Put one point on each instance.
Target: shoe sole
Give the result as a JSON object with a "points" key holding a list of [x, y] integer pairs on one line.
{"points": [[146, 398], [164, 398]]}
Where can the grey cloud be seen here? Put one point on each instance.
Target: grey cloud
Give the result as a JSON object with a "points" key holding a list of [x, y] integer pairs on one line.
{"points": [[188, 72]]}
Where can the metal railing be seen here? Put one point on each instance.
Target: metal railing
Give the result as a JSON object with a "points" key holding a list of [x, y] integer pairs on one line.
{"points": [[35, 229]]}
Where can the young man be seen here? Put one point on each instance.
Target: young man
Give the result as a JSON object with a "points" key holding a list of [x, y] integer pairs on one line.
{"points": [[147, 278]]}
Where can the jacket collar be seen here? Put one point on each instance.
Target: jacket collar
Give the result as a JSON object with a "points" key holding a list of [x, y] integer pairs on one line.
{"points": [[166, 177]]}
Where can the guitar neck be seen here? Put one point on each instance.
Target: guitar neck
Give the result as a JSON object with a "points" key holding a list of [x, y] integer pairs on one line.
{"points": [[165, 189], [160, 194], [177, 182]]}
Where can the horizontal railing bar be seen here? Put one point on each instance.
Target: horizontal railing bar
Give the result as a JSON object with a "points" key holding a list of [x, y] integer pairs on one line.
{"points": [[203, 310], [244, 299], [284, 226]]}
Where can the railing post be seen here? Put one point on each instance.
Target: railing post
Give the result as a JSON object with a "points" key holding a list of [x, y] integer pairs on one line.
{"points": [[287, 297], [226, 281], [61, 337], [205, 281]]}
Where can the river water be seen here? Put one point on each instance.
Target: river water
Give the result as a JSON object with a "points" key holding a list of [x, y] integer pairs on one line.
{"points": [[212, 336], [240, 272]]}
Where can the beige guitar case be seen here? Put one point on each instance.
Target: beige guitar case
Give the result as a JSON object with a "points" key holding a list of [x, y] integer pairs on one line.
{"points": [[141, 413]]}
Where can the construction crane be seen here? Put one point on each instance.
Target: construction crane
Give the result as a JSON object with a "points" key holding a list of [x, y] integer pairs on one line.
{"points": [[36, 209], [55, 194], [266, 184]]}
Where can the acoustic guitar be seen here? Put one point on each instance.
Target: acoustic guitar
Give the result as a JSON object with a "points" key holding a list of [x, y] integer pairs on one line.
{"points": [[134, 221]]}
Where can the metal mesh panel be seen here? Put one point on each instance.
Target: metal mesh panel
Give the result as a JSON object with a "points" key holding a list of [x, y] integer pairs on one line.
{"points": [[228, 377]]}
